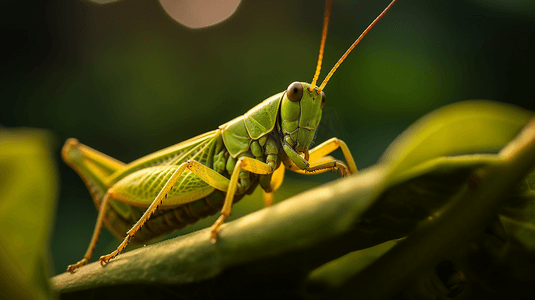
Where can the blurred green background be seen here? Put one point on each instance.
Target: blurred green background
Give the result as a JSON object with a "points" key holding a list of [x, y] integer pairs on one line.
{"points": [[126, 79]]}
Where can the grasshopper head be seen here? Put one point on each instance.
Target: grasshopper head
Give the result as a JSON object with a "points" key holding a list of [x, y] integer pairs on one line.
{"points": [[302, 102], [301, 114]]}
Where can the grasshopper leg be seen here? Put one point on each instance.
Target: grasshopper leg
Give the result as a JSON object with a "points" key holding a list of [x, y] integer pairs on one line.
{"points": [[94, 238], [244, 163], [276, 181], [150, 210], [94, 168], [329, 146], [206, 174], [320, 162]]}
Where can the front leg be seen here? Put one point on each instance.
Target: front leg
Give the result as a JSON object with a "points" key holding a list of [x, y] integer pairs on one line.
{"points": [[318, 162], [329, 146]]}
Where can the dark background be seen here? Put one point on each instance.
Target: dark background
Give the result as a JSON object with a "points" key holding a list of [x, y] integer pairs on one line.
{"points": [[126, 79]]}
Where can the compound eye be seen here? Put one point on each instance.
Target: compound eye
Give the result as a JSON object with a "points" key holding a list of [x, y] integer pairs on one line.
{"points": [[294, 92], [322, 99]]}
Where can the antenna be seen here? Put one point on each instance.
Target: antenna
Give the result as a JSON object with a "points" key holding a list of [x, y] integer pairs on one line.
{"points": [[322, 45], [324, 83]]}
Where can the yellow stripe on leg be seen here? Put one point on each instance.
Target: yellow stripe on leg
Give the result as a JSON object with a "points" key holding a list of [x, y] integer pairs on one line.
{"points": [[208, 175], [255, 166]]}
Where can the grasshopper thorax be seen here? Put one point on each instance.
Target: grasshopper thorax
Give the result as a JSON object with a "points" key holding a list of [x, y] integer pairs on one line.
{"points": [[300, 114]]}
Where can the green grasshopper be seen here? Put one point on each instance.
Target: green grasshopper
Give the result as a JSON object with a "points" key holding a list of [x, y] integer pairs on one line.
{"points": [[181, 184]]}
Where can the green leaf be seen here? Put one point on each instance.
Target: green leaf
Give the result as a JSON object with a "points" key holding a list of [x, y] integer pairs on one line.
{"points": [[426, 189], [463, 219], [335, 273], [518, 219], [28, 190], [518, 215], [455, 129]]}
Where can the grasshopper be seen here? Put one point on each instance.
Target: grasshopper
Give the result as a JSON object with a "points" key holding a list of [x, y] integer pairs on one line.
{"points": [[181, 184]]}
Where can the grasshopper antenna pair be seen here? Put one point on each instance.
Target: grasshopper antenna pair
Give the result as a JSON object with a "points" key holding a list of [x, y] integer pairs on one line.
{"points": [[324, 38]]}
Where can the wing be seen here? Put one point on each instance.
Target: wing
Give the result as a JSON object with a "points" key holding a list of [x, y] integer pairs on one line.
{"points": [[199, 148], [140, 181], [141, 187]]}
